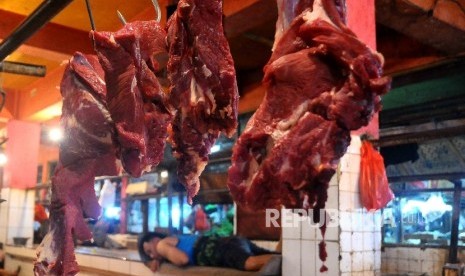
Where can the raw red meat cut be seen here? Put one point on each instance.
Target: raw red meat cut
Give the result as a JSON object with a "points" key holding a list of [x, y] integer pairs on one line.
{"points": [[88, 151], [322, 82], [203, 86], [136, 100]]}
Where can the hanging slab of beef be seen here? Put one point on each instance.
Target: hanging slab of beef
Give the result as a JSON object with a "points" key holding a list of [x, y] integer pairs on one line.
{"points": [[203, 86], [87, 151], [136, 100], [321, 82]]}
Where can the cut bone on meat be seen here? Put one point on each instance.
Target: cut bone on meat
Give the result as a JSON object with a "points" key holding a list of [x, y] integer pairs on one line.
{"points": [[203, 86]]}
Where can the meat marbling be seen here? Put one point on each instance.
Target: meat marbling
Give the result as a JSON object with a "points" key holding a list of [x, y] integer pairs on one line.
{"points": [[203, 86], [136, 101]]}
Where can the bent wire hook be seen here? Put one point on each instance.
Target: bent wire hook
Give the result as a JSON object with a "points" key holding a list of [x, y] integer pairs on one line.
{"points": [[157, 12]]}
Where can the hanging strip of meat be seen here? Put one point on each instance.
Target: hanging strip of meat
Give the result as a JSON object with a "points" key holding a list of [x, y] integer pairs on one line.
{"points": [[87, 151], [321, 82], [203, 86], [136, 100]]}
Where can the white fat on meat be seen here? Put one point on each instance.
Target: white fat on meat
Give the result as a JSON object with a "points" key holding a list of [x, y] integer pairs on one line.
{"points": [[318, 13], [45, 252], [285, 125], [198, 95], [71, 122]]}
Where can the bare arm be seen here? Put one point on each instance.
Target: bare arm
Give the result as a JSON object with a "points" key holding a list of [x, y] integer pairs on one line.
{"points": [[167, 249]]}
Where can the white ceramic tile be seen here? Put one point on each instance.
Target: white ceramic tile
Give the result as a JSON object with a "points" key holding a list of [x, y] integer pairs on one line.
{"points": [[378, 220], [357, 241], [377, 237], [291, 257], [3, 234], [392, 266], [291, 224], [139, 269], [377, 260], [357, 261], [442, 255], [414, 266], [3, 215], [345, 183], [345, 221], [15, 217], [368, 224], [5, 193], [346, 241], [100, 262], [354, 180], [84, 260], [350, 162], [414, 253], [357, 201], [427, 266], [308, 257], [333, 196], [403, 253], [437, 269], [368, 260], [30, 198], [346, 200], [346, 274], [378, 273], [309, 230], [332, 260], [357, 220], [345, 264], [119, 266], [331, 234], [17, 198], [12, 232], [384, 265], [26, 232], [369, 273], [403, 265], [368, 243], [355, 144], [334, 181], [430, 254]]}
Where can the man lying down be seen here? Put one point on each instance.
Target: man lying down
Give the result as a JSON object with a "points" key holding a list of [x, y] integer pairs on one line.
{"points": [[195, 250]]}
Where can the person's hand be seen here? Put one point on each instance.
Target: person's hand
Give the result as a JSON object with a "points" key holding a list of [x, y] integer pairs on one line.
{"points": [[153, 265]]}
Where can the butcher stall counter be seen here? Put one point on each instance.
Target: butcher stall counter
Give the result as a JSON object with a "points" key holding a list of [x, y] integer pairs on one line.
{"points": [[96, 261]]}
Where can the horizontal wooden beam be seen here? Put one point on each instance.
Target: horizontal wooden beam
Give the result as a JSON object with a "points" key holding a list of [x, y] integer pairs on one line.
{"points": [[53, 37], [426, 26]]}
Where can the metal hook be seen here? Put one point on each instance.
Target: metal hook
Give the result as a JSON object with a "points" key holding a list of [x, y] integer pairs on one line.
{"points": [[121, 17], [155, 5], [91, 17], [157, 10]]}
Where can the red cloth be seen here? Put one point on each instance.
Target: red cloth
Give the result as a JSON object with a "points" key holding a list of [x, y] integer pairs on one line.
{"points": [[39, 213]]}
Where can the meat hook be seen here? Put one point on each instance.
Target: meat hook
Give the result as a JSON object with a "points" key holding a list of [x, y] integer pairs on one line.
{"points": [[91, 17], [157, 11]]}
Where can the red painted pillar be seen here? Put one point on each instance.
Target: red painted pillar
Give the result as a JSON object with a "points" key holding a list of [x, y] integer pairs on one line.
{"points": [[22, 150], [361, 20]]}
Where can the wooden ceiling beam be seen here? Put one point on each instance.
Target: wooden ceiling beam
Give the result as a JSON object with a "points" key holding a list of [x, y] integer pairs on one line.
{"points": [[439, 25], [52, 37]]}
